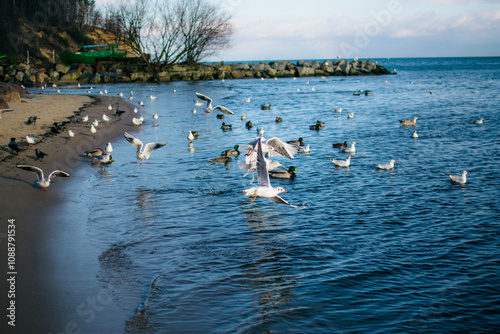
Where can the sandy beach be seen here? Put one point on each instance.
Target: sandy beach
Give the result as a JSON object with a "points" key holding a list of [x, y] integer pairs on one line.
{"points": [[53, 284]]}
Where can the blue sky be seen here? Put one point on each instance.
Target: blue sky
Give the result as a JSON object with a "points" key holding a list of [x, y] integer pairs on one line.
{"points": [[279, 29], [325, 29]]}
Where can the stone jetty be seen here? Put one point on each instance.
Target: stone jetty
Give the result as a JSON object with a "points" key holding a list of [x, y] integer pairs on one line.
{"points": [[110, 72]]}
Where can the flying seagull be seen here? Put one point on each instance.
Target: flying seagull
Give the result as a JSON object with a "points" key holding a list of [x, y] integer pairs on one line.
{"points": [[148, 148], [42, 181], [209, 108]]}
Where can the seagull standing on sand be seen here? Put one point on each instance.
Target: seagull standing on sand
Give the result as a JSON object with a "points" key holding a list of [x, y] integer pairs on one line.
{"points": [[148, 148], [110, 107], [106, 118], [265, 189], [30, 140], [209, 108], [459, 178], [93, 130], [71, 134], [390, 165], [42, 181]]}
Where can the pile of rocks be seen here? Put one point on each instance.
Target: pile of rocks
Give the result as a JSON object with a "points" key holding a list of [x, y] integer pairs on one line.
{"points": [[120, 72]]}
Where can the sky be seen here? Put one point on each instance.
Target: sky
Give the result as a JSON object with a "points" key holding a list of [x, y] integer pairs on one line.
{"points": [[327, 29]]}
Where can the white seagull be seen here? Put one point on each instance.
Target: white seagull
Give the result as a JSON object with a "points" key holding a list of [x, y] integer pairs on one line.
{"points": [[349, 149], [197, 103], [31, 140], [478, 121], [265, 189], [42, 181], [273, 146], [414, 134], [106, 118], [152, 98], [148, 148], [459, 178], [110, 107], [243, 117], [71, 133], [247, 100], [390, 165], [342, 163], [350, 115], [137, 121], [339, 110], [190, 136], [93, 130], [108, 148], [209, 108]]}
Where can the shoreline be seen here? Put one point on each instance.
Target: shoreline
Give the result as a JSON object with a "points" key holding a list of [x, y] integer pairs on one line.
{"points": [[56, 285]]}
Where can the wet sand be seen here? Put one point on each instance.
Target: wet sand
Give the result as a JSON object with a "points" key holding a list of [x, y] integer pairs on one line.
{"points": [[56, 284]]}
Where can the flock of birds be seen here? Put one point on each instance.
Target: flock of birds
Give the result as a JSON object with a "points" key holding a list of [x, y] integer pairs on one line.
{"points": [[257, 159]]}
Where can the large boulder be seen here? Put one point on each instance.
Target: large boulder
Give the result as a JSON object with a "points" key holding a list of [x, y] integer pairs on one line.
{"points": [[54, 76], [85, 77], [62, 69], [241, 67], [71, 75], [8, 93], [23, 67], [304, 71], [237, 74], [3, 104], [271, 72], [19, 76]]}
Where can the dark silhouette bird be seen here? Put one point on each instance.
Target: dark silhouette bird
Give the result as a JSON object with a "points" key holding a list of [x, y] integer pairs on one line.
{"points": [[299, 142], [39, 154], [249, 125], [32, 120], [225, 159], [266, 107], [55, 128], [340, 145], [13, 146], [94, 153], [279, 119], [119, 112], [220, 116], [195, 134], [283, 173], [234, 151]]}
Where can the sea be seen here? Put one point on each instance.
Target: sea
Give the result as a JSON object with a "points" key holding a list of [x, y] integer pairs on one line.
{"points": [[375, 251]]}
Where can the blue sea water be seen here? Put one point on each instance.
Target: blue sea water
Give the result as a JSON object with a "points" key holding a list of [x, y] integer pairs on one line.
{"points": [[375, 251]]}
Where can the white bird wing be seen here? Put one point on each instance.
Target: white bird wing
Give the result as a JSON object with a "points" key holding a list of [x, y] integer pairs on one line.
{"points": [[37, 170], [59, 173], [204, 98], [282, 148], [279, 200], [134, 141], [262, 173], [150, 147], [224, 110]]}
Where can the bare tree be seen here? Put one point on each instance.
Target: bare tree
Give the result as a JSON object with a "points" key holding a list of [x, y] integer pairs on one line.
{"points": [[164, 33], [206, 29]]}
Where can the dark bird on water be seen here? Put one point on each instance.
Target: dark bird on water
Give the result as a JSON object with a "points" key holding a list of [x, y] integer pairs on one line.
{"points": [[340, 145], [13, 145], [220, 116], [39, 154], [226, 127], [249, 125], [96, 152]]}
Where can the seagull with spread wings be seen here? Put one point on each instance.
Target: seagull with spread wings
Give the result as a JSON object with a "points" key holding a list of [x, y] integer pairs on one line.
{"points": [[43, 181], [265, 189], [148, 148], [209, 108]]}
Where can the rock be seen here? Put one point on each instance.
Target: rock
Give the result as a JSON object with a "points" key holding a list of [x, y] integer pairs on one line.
{"points": [[19, 76], [9, 93], [241, 67], [285, 73], [271, 72], [11, 71], [54, 76], [85, 77], [107, 77], [29, 79], [3, 104], [304, 71], [23, 67], [177, 68], [96, 79], [62, 69], [208, 76], [237, 74], [71, 75]]}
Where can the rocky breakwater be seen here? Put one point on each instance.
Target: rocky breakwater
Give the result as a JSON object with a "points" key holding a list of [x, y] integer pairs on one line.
{"points": [[121, 72]]}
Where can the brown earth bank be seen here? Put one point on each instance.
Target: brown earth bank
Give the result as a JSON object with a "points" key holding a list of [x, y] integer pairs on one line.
{"points": [[53, 282]]}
